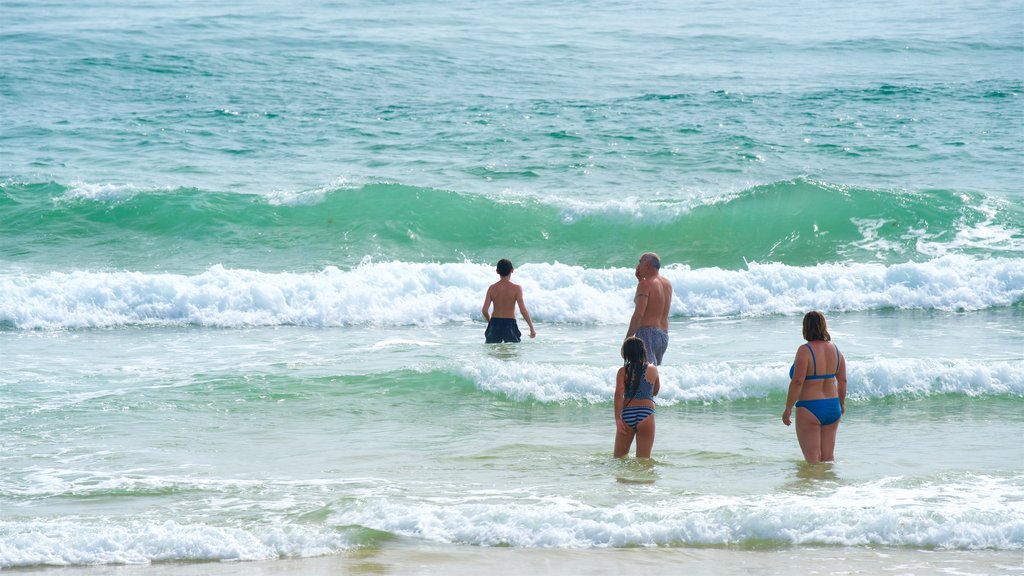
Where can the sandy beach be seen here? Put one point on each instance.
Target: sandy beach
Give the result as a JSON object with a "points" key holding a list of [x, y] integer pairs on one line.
{"points": [[411, 560]]}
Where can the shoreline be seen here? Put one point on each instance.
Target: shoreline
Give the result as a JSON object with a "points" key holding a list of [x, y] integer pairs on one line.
{"points": [[419, 559]]}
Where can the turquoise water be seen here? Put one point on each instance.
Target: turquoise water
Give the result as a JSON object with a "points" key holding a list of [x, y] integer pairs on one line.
{"points": [[243, 251]]}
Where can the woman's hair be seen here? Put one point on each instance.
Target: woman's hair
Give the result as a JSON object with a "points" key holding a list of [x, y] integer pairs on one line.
{"points": [[634, 357], [815, 328]]}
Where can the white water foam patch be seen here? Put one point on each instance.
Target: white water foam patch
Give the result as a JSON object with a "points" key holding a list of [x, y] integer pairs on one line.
{"points": [[414, 294], [396, 294], [712, 382], [542, 382], [877, 378], [977, 512], [947, 283], [565, 383], [987, 235], [314, 195], [107, 193], [627, 209], [72, 542], [390, 294], [49, 482]]}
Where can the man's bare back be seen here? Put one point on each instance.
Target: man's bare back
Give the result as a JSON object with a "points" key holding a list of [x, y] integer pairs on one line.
{"points": [[658, 293]]}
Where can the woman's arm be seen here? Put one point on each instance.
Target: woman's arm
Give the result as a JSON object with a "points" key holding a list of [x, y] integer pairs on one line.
{"points": [[796, 384], [841, 382]]}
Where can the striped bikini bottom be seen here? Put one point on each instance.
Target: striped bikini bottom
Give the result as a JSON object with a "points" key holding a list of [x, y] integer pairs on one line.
{"points": [[634, 415]]}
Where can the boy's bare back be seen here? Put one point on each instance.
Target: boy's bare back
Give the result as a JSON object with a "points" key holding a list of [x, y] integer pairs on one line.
{"points": [[504, 294]]}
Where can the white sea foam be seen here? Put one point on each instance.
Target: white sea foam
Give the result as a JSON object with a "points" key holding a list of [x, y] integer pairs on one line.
{"points": [[987, 235], [727, 381], [976, 512], [76, 542], [629, 208], [969, 512], [314, 195], [413, 294], [107, 193]]}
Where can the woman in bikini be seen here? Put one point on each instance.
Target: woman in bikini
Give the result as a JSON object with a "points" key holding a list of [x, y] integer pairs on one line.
{"points": [[817, 388], [636, 385]]}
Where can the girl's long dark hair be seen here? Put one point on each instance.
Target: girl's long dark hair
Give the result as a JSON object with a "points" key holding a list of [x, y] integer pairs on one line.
{"points": [[634, 358]]}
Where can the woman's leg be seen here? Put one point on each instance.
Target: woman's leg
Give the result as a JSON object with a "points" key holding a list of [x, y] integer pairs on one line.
{"points": [[645, 437], [828, 442], [808, 433]]}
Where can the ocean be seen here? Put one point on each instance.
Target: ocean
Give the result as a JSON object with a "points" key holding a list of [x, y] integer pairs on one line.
{"points": [[244, 249]]}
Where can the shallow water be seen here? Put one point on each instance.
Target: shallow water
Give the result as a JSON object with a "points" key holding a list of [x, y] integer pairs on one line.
{"points": [[302, 440]]}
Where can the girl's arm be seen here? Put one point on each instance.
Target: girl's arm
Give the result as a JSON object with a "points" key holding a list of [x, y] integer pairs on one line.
{"points": [[620, 392]]}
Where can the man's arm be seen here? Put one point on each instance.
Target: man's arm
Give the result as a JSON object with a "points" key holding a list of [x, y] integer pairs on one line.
{"points": [[668, 306], [640, 300]]}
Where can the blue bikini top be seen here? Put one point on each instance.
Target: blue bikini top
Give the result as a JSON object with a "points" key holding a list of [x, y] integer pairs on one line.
{"points": [[644, 390], [817, 376]]}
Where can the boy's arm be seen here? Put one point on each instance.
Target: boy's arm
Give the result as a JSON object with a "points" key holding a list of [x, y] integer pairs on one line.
{"points": [[487, 306], [524, 312]]}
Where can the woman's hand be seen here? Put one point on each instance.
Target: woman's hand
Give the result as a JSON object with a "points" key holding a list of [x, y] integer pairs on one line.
{"points": [[621, 426], [785, 416]]}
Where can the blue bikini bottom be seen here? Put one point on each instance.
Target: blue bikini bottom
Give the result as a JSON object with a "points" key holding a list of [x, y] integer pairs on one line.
{"points": [[826, 410]]}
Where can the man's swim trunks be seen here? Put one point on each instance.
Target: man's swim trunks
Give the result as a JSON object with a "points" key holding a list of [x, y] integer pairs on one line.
{"points": [[656, 342], [502, 330]]}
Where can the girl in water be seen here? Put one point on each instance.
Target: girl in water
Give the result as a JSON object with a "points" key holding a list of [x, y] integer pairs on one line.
{"points": [[636, 385]]}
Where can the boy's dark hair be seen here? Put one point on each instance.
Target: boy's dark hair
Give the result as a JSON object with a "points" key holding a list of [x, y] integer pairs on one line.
{"points": [[504, 267]]}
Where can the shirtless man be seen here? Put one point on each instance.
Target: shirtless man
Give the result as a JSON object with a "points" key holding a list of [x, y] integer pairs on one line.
{"points": [[653, 299], [502, 326]]}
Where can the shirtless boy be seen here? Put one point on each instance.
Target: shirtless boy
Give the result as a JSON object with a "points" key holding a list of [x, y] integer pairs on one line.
{"points": [[502, 326], [650, 315]]}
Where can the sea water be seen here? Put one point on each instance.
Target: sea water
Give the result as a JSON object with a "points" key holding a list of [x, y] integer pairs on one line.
{"points": [[243, 251]]}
